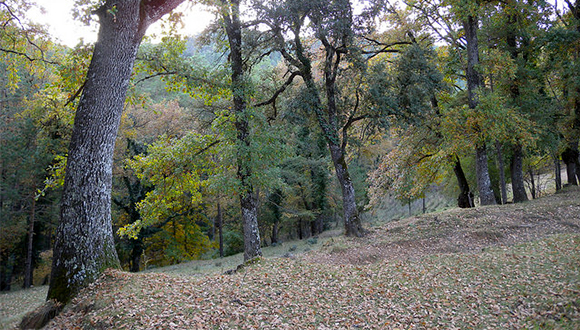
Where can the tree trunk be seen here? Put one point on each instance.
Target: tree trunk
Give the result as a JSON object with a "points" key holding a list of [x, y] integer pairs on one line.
{"points": [[557, 173], [6, 272], [517, 174], [248, 197], [28, 268], [352, 223], [465, 199], [84, 245], [136, 252], [501, 168], [533, 183], [275, 228], [219, 225], [486, 195], [570, 157]]}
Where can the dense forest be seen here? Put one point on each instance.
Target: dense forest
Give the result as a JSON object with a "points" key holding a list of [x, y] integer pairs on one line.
{"points": [[281, 120]]}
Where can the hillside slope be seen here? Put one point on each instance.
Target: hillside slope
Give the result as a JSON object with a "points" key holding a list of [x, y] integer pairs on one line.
{"points": [[514, 266]]}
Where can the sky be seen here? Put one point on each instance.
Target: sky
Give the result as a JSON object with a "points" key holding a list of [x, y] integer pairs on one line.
{"points": [[58, 18]]}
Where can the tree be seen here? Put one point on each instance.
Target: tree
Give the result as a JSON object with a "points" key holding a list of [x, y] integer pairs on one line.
{"points": [[332, 25], [564, 58], [248, 197], [470, 26], [84, 245]]}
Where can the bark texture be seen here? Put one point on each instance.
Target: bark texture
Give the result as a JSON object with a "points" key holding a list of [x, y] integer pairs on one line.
{"points": [[465, 199], [486, 196], [517, 174], [470, 25], [501, 169], [84, 245], [352, 223], [570, 158], [248, 197]]}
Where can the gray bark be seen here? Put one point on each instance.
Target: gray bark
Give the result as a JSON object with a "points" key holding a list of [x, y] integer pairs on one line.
{"points": [[248, 197], [84, 245], [501, 168], [517, 175], [352, 223], [486, 195]]}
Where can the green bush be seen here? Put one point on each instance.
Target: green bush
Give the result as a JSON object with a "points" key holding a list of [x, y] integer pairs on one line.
{"points": [[233, 243]]}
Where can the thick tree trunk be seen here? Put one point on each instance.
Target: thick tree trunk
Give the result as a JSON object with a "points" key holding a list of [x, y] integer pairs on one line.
{"points": [[486, 195], [136, 252], [248, 197], [352, 223], [517, 175], [465, 199], [501, 169], [570, 157], [28, 267], [84, 245]]}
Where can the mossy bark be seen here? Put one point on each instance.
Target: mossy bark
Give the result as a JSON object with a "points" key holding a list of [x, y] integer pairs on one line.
{"points": [[84, 245]]}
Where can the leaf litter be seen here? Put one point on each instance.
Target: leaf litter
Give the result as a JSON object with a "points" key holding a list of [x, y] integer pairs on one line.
{"points": [[501, 267]]}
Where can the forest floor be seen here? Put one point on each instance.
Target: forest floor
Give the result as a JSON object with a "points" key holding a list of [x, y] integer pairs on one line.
{"points": [[515, 266]]}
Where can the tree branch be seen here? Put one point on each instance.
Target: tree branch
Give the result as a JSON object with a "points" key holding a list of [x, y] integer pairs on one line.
{"points": [[280, 90], [75, 95]]}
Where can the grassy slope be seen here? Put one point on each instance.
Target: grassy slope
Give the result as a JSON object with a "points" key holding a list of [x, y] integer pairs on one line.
{"points": [[513, 266]]}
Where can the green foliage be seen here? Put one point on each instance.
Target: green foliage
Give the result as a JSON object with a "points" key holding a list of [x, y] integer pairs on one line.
{"points": [[233, 243], [174, 168]]}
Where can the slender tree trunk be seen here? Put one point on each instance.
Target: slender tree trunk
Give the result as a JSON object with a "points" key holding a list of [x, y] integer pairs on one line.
{"points": [[533, 183], [501, 168], [517, 174], [486, 195], [275, 228], [84, 245], [28, 268], [248, 197], [557, 173], [219, 225], [465, 199]]}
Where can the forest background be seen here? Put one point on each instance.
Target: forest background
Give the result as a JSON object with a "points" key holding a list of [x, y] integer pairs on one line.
{"points": [[394, 97]]}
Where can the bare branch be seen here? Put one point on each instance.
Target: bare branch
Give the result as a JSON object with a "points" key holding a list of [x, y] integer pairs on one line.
{"points": [[280, 90], [76, 94]]}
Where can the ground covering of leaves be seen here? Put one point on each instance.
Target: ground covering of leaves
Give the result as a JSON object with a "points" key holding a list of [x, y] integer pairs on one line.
{"points": [[504, 267], [14, 305]]}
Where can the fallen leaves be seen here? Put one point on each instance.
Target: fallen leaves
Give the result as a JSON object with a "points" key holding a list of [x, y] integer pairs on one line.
{"points": [[485, 271]]}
